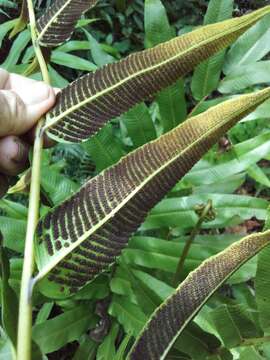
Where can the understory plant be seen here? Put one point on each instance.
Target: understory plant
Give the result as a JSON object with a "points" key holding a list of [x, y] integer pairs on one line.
{"points": [[75, 242]]}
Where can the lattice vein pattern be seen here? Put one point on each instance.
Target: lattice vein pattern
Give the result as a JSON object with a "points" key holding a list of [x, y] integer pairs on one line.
{"points": [[85, 105], [82, 237], [169, 320], [57, 24]]}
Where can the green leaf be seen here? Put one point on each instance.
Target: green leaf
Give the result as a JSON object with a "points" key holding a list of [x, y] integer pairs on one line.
{"points": [[72, 61], [104, 148], [174, 211], [154, 253], [22, 21], [82, 237], [57, 80], [197, 343], [107, 349], [246, 76], [9, 301], [229, 208], [251, 354], [171, 101], [169, 320], [139, 125], [207, 74], [257, 149], [145, 298], [52, 334], [84, 106], [13, 232], [7, 351], [256, 173], [262, 112], [128, 315], [239, 324], [13, 209], [122, 350], [44, 312], [56, 185], [99, 56], [86, 350], [5, 28], [263, 289], [16, 50], [56, 25], [250, 47]]}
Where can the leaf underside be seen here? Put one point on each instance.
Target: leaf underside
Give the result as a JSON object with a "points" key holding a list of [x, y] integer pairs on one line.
{"points": [[56, 25], [84, 106], [172, 316], [83, 236]]}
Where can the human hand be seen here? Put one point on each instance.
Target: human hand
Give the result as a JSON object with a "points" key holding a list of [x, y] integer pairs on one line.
{"points": [[22, 102]]}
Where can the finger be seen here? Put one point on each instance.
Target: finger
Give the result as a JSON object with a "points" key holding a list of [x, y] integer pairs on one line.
{"points": [[3, 185], [32, 92], [16, 117], [13, 155], [4, 78]]}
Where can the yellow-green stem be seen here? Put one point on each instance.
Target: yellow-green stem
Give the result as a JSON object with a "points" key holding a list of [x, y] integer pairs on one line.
{"points": [[188, 244], [25, 306]]}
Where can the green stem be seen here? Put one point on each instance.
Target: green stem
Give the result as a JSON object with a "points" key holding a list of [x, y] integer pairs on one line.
{"points": [[25, 306], [24, 340], [255, 341], [189, 242]]}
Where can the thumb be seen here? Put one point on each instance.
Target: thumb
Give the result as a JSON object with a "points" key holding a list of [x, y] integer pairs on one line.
{"points": [[17, 117]]}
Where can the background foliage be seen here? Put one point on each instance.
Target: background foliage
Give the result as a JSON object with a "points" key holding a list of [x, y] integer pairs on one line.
{"points": [[101, 319]]}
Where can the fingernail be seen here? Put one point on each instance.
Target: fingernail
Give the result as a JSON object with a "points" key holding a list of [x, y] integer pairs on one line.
{"points": [[21, 156]]}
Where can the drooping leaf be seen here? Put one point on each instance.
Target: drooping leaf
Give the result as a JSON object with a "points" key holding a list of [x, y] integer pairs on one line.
{"points": [[82, 237], [170, 319], [21, 21], [56, 25], [84, 106], [5, 28], [206, 75], [16, 50], [72, 61]]}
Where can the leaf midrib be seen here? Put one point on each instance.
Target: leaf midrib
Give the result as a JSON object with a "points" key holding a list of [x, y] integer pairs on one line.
{"points": [[52, 20], [55, 258], [163, 356], [52, 121]]}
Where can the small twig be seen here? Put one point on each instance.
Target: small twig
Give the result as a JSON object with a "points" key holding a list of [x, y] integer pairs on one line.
{"points": [[190, 240], [25, 306]]}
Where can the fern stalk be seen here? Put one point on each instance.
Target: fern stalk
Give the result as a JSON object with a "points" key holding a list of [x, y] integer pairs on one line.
{"points": [[25, 305], [188, 244]]}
